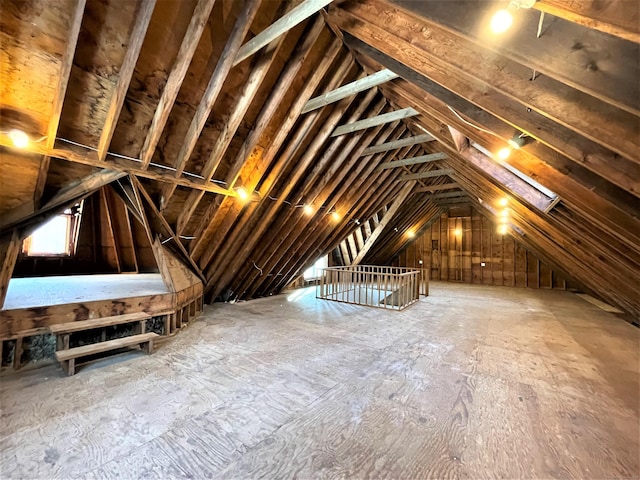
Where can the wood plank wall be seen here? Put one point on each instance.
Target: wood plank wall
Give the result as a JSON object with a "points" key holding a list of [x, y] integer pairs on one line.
{"points": [[457, 245]]}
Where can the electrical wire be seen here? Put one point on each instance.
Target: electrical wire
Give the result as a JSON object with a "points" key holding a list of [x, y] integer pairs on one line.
{"points": [[173, 169], [254, 264]]}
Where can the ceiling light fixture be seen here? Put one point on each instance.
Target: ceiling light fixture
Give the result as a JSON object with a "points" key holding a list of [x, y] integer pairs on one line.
{"points": [[242, 193], [504, 153], [518, 141], [503, 19], [335, 216], [308, 210], [19, 138], [411, 234]]}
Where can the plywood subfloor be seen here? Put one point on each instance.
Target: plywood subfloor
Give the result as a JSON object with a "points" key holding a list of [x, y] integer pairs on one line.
{"points": [[45, 291], [472, 382]]}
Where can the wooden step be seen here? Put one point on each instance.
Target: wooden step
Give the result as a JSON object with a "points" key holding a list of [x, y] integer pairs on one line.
{"points": [[101, 322], [85, 350]]}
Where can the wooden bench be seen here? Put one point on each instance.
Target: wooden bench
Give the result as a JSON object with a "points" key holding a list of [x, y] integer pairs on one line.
{"points": [[64, 330], [67, 357]]}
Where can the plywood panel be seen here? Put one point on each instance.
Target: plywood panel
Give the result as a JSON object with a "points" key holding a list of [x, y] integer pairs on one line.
{"points": [[459, 245], [18, 175]]}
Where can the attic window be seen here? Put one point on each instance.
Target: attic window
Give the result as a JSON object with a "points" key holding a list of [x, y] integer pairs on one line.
{"points": [[57, 237], [313, 272]]}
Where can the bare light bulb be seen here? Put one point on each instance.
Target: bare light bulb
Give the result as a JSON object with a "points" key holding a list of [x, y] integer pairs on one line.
{"points": [[501, 21], [457, 232], [503, 202], [504, 153], [242, 193], [19, 138], [503, 229], [411, 234], [335, 216], [308, 210]]}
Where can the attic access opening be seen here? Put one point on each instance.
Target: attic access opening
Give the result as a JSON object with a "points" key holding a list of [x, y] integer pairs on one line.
{"points": [[57, 237], [393, 288]]}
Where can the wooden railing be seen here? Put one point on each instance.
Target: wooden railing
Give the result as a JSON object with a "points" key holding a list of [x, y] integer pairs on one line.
{"points": [[385, 287]]}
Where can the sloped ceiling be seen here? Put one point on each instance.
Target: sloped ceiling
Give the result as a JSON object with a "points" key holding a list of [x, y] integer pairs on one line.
{"points": [[171, 94]]}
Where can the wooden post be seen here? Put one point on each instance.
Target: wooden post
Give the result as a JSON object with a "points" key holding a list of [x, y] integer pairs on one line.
{"points": [[9, 249]]}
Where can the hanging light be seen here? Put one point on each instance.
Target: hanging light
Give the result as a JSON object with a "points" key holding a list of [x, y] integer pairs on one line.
{"points": [[503, 19]]}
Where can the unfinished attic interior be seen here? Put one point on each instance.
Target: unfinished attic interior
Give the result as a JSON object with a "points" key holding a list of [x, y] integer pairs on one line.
{"points": [[185, 185]]}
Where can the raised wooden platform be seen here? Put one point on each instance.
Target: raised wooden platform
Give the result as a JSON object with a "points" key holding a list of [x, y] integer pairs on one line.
{"points": [[51, 301]]}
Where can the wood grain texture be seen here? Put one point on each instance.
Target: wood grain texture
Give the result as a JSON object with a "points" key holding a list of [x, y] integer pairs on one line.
{"points": [[535, 384]]}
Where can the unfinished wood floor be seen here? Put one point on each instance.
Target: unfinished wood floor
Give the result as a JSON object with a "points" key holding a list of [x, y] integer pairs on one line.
{"points": [[472, 382]]}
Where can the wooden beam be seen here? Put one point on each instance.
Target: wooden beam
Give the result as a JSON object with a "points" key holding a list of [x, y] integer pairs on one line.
{"points": [[270, 162], [502, 117], [375, 121], [212, 91], [279, 27], [160, 174], [143, 17], [75, 189], [435, 188], [571, 128], [249, 234], [242, 104], [273, 103], [9, 248], [616, 17], [460, 141], [388, 216], [294, 176], [313, 237], [581, 189], [432, 157], [58, 100], [199, 21], [429, 174], [348, 90], [396, 144], [595, 72], [165, 225], [456, 194], [86, 185]]}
